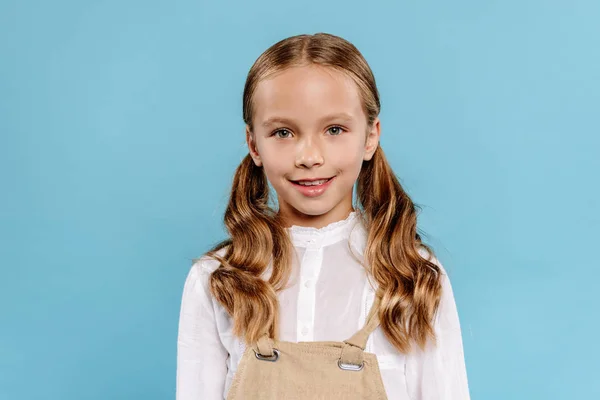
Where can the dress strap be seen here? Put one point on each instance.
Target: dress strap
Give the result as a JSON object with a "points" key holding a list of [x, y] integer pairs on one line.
{"points": [[352, 352], [360, 338], [264, 346]]}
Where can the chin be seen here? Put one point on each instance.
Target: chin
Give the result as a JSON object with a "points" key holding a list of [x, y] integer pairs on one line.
{"points": [[313, 210]]}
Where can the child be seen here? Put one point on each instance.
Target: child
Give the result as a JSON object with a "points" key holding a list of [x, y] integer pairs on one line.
{"points": [[315, 297]]}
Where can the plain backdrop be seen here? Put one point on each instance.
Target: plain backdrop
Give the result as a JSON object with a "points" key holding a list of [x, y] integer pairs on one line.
{"points": [[121, 127]]}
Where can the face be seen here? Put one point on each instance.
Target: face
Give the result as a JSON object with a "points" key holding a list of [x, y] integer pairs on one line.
{"points": [[311, 137]]}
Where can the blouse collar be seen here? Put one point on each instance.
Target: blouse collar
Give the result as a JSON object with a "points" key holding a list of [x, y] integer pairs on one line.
{"points": [[315, 238]]}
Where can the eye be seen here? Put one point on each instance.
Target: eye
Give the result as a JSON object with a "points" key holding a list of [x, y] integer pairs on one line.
{"points": [[282, 133], [336, 130]]}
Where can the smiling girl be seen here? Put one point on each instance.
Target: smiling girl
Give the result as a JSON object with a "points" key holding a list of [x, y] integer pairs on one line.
{"points": [[318, 296]]}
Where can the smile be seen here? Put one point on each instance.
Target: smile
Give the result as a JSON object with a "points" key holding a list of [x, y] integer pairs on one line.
{"points": [[312, 187]]}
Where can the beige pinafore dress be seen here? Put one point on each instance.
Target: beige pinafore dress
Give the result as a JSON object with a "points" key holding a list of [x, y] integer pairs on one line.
{"points": [[276, 370]]}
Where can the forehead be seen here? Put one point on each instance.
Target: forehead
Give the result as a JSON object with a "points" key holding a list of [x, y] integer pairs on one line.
{"points": [[306, 94]]}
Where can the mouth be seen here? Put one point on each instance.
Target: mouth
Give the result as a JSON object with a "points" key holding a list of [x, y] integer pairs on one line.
{"points": [[313, 187]]}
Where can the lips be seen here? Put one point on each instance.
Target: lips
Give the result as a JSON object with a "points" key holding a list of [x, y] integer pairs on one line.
{"points": [[312, 187]]}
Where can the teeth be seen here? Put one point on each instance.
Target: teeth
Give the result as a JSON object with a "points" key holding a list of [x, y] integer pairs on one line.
{"points": [[313, 183]]}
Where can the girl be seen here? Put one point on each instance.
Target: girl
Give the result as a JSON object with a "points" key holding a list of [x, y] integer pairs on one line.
{"points": [[318, 296]]}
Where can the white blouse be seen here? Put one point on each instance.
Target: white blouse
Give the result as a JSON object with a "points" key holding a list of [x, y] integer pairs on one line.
{"points": [[327, 299]]}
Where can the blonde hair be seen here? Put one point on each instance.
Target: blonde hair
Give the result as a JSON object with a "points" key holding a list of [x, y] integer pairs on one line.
{"points": [[408, 284]]}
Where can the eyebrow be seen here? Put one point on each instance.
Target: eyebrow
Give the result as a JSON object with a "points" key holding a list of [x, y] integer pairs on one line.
{"points": [[338, 116]]}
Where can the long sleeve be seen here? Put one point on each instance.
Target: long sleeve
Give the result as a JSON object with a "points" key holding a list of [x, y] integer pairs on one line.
{"points": [[201, 357], [439, 372]]}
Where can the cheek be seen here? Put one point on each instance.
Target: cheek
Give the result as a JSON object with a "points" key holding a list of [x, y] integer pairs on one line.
{"points": [[347, 159], [275, 168]]}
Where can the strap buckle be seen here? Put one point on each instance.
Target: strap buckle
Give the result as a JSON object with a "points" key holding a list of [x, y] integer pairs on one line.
{"points": [[350, 367], [272, 358]]}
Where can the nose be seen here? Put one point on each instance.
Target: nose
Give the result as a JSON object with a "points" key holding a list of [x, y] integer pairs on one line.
{"points": [[309, 153]]}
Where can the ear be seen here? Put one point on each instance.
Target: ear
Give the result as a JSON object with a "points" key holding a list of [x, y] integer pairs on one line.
{"points": [[372, 140], [252, 147]]}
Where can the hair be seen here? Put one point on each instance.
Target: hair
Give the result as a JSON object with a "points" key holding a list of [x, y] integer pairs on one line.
{"points": [[409, 285]]}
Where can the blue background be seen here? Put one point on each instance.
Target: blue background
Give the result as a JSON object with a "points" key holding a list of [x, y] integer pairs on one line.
{"points": [[121, 127]]}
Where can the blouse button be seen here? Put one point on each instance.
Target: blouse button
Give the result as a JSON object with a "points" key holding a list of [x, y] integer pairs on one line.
{"points": [[304, 331], [308, 284]]}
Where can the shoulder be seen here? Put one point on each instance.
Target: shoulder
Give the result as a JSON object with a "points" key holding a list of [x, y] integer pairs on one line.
{"points": [[199, 273], [207, 264], [431, 257], [446, 285], [446, 314]]}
